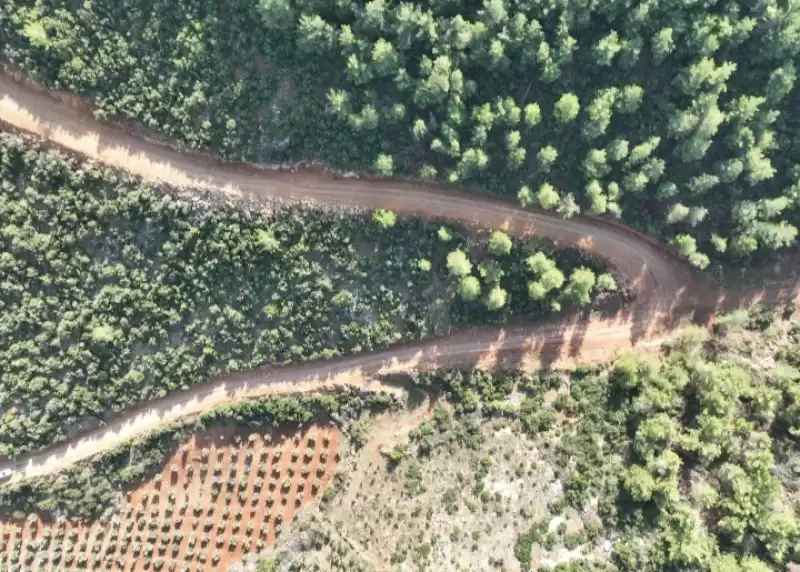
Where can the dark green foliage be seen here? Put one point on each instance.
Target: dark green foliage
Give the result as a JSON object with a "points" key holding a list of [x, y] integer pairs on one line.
{"points": [[678, 116], [115, 292], [525, 542]]}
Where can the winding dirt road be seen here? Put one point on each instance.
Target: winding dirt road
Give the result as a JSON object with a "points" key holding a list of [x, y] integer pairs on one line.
{"points": [[666, 289]]}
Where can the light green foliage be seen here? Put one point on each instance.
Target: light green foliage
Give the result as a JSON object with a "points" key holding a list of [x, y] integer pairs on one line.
{"points": [[491, 271], [103, 333], [547, 156], [677, 213], [687, 247], [419, 129], [634, 430], [663, 44], [427, 172], [617, 150], [469, 288], [315, 35], [536, 290], [567, 108], [607, 48], [719, 242], [525, 196], [458, 263], [568, 207], [384, 165], [424, 265], [682, 455], [606, 283], [533, 114], [266, 241], [384, 218], [548, 276], [496, 298], [595, 165], [499, 243], [547, 197], [36, 34], [630, 99], [722, 426], [580, 285], [598, 202], [268, 565]]}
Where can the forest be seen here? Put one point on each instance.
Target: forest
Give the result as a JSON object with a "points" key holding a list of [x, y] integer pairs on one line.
{"points": [[674, 115], [116, 292]]}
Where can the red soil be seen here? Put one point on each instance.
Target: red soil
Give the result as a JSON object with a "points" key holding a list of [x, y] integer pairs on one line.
{"points": [[179, 501]]}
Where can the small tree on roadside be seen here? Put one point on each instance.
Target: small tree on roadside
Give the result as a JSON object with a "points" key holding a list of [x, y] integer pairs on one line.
{"points": [[579, 287], [384, 218], [384, 165], [458, 263], [496, 298], [606, 283], [491, 271], [499, 243], [469, 288]]}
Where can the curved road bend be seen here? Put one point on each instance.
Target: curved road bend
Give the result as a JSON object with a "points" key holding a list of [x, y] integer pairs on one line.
{"points": [[666, 289]]}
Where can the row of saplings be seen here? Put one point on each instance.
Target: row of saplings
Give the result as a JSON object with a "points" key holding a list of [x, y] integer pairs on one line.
{"points": [[152, 529]]}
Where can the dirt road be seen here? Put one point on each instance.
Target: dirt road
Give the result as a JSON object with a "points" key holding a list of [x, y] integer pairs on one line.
{"points": [[666, 289]]}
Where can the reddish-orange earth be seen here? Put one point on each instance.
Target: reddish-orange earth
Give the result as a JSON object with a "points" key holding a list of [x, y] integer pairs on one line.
{"points": [[666, 290], [176, 517]]}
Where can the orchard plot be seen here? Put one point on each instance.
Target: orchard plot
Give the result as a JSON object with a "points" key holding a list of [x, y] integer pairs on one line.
{"points": [[222, 495]]}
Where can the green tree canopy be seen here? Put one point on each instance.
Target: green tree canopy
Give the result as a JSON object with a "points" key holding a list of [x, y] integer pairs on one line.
{"points": [[499, 243], [458, 263], [567, 108], [496, 298], [469, 288]]}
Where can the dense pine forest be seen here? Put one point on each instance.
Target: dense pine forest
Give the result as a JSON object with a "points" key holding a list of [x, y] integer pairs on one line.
{"points": [[675, 115], [116, 292]]}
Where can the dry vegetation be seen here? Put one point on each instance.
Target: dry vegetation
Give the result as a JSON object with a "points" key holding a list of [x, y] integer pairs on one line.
{"points": [[613, 468], [459, 507], [462, 508], [222, 495]]}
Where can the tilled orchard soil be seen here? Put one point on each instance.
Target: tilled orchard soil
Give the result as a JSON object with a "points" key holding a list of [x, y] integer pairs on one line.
{"points": [[222, 495]]}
